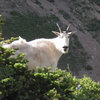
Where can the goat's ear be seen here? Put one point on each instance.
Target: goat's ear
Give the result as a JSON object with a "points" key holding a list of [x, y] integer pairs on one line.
{"points": [[56, 33], [71, 33], [20, 38]]}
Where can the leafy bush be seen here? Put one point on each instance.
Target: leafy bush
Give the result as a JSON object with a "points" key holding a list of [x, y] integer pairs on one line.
{"points": [[18, 83]]}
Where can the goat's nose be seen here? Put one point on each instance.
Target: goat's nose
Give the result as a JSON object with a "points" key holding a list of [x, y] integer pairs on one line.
{"points": [[65, 48]]}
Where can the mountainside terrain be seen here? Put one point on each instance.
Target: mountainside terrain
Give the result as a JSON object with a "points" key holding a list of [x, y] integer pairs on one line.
{"points": [[84, 17]]}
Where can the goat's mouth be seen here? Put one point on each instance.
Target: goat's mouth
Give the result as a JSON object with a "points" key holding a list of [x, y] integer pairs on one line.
{"points": [[65, 48]]}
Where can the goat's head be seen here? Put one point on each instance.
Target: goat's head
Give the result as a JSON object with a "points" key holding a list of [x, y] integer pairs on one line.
{"points": [[63, 39]]}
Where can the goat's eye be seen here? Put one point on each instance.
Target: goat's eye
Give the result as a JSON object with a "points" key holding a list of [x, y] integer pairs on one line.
{"points": [[69, 36]]}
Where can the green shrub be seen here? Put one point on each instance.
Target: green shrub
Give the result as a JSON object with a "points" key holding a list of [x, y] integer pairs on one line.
{"points": [[18, 83], [89, 89]]}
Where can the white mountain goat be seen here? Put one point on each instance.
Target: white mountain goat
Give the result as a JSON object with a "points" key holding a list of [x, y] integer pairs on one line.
{"points": [[43, 52]]}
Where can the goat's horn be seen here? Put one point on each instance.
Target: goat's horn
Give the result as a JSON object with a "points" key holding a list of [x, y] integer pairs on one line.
{"points": [[68, 27], [59, 28]]}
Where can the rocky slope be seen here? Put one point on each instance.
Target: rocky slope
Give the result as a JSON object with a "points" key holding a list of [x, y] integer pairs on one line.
{"points": [[74, 12]]}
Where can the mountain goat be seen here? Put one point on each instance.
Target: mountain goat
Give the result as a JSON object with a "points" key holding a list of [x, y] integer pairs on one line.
{"points": [[43, 52]]}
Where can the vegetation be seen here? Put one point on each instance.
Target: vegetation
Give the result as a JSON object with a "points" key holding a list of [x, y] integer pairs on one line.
{"points": [[95, 1], [93, 26], [82, 10], [18, 83], [29, 26], [65, 15]]}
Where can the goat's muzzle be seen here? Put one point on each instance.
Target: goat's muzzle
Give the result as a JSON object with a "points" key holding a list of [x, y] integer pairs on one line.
{"points": [[65, 48]]}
